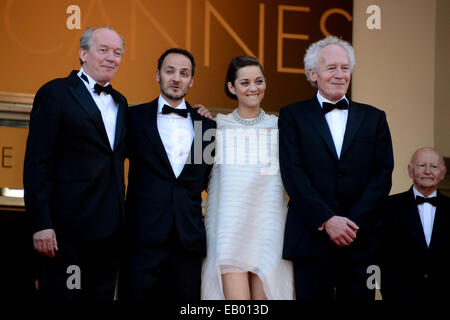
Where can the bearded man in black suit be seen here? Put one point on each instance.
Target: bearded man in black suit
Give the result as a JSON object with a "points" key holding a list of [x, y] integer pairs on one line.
{"points": [[73, 173], [171, 155], [416, 235], [336, 163]]}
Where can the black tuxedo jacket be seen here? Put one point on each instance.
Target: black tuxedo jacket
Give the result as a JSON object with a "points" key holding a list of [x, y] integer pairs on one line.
{"points": [[157, 200], [73, 180], [320, 185], [411, 270]]}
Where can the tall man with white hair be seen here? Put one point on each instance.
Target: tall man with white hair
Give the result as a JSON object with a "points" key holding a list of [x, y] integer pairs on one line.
{"points": [[336, 163], [74, 173]]}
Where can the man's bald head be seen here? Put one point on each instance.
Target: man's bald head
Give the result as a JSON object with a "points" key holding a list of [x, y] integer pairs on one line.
{"points": [[430, 150], [427, 169]]}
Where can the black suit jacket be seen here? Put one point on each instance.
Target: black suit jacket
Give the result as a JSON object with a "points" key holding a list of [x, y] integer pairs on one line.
{"points": [[73, 180], [411, 270], [156, 199], [320, 185]]}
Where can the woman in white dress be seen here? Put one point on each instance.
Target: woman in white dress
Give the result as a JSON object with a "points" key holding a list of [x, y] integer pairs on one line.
{"points": [[246, 205]]}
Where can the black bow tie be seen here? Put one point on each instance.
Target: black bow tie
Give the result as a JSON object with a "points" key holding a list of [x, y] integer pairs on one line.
{"points": [[98, 89], [341, 105], [181, 112], [433, 200]]}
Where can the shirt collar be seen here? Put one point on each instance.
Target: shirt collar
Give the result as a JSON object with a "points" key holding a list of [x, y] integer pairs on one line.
{"points": [[322, 99], [417, 193], [92, 82], [162, 102]]}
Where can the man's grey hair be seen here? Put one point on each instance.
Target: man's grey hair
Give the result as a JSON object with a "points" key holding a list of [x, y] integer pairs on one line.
{"points": [[86, 38], [312, 54]]}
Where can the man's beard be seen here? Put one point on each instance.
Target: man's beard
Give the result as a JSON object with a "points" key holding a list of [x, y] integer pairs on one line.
{"points": [[172, 97]]}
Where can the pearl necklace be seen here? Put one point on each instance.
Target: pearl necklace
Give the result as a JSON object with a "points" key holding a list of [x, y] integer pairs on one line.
{"points": [[249, 122]]}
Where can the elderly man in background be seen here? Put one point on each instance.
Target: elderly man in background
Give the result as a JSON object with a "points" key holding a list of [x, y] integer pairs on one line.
{"points": [[416, 235]]}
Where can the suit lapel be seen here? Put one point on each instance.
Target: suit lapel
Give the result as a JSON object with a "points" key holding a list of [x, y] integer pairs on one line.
{"points": [[151, 130], [196, 146], [412, 218], [320, 124], [84, 98], [354, 120], [120, 122], [440, 220]]}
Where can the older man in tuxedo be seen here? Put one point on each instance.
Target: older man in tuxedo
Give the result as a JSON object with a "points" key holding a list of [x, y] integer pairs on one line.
{"points": [[336, 162], [416, 235], [73, 173]]}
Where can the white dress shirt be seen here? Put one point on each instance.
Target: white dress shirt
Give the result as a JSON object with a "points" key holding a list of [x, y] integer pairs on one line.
{"points": [[177, 134], [337, 122], [427, 213], [107, 106]]}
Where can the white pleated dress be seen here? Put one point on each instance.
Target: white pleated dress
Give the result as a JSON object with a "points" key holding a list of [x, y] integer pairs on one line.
{"points": [[246, 209]]}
